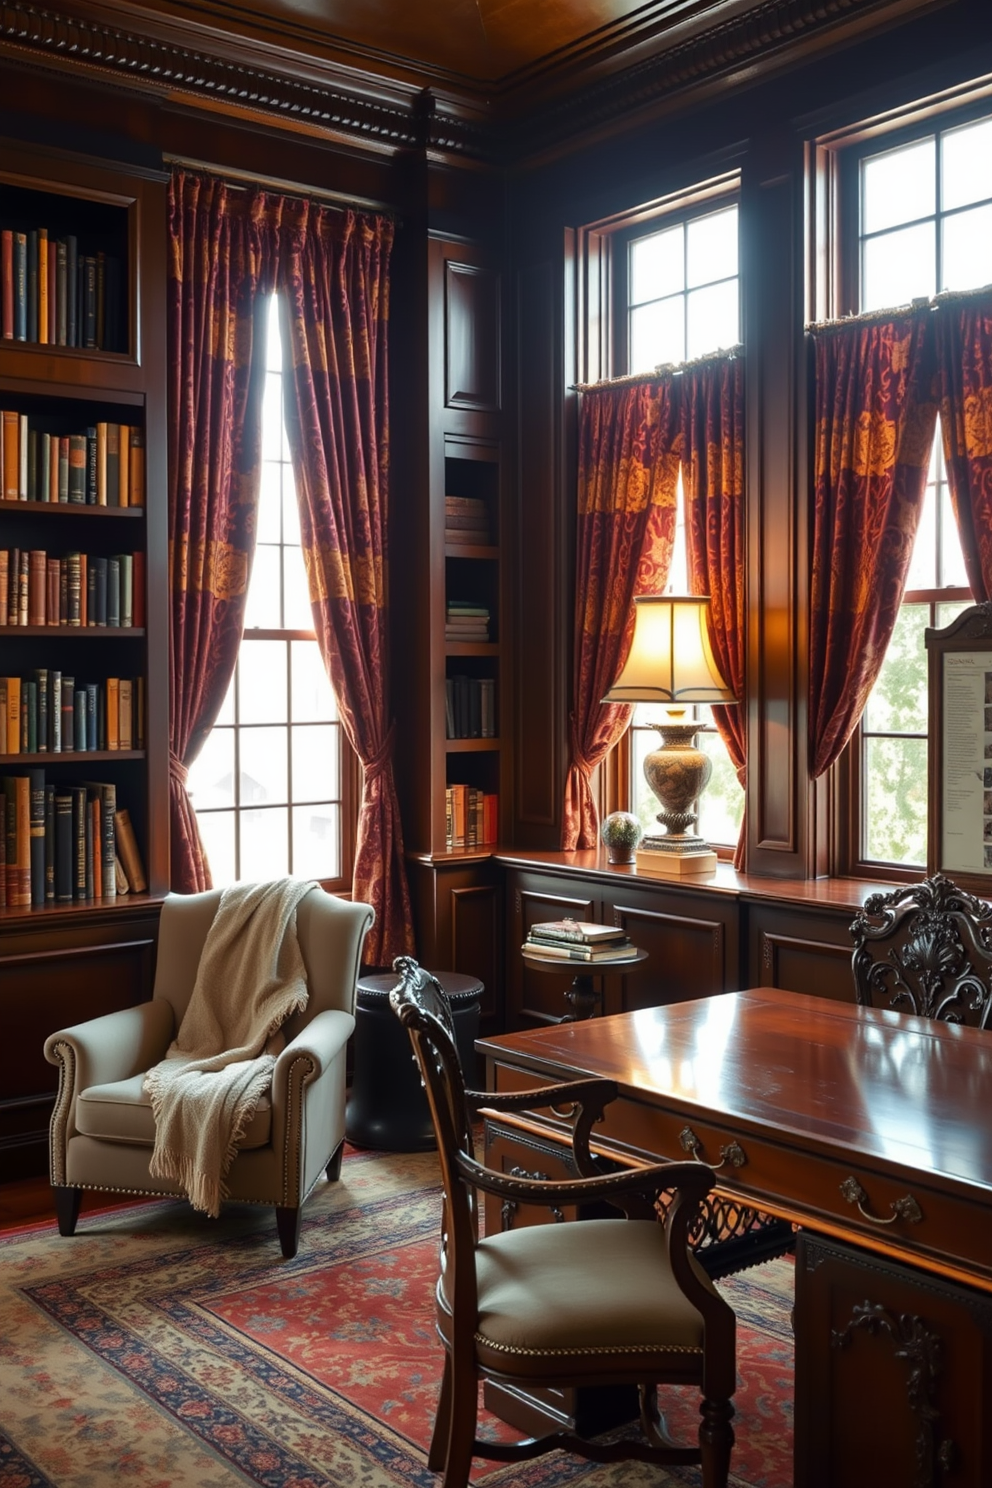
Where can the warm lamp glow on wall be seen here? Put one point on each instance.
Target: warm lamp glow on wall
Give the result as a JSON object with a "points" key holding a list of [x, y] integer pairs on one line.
{"points": [[671, 662]]}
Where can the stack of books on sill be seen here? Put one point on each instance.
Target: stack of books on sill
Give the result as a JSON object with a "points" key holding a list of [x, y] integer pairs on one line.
{"points": [[465, 621], [577, 940], [466, 521]]}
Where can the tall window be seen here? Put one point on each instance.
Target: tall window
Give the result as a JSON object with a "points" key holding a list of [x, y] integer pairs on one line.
{"points": [[924, 226], [269, 785], [682, 289]]}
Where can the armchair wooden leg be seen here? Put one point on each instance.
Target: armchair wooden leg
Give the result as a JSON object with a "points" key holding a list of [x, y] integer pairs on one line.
{"points": [[67, 1202], [716, 1438], [462, 1415], [333, 1169], [288, 1225]]}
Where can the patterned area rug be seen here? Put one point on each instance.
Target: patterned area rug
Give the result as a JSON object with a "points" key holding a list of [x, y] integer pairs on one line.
{"points": [[167, 1350]]}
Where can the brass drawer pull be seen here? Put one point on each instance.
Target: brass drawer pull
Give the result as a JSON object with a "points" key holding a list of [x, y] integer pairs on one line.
{"points": [[733, 1153], [905, 1208]]}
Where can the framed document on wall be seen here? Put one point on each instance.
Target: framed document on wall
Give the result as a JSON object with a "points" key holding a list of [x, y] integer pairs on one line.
{"points": [[960, 749]]}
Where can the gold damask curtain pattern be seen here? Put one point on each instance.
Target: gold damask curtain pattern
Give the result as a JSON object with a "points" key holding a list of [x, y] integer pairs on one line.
{"points": [[713, 483], [874, 427], [963, 336], [629, 440], [334, 271], [219, 260]]}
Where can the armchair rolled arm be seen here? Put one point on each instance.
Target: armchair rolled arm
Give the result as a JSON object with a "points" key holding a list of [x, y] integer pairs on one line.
{"points": [[312, 1051], [116, 1045], [588, 1098]]}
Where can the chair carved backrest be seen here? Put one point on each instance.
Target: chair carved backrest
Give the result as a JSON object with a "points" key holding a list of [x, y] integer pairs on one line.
{"points": [[926, 949]]}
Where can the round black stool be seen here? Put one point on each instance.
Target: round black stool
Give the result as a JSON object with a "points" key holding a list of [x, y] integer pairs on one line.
{"points": [[387, 1108]]}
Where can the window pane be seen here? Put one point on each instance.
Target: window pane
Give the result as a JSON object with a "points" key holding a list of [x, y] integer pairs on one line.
{"points": [[966, 165], [316, 762], [657, 265], [898, 700], [264, 766], [290, 508], [657, 334], [967, 249], [316, 842], [952, 569], [269, 499], [272, 415], [721, 806], [896, 800], [898, 186], [273, 345], [313, 696], [711, 247], [262, 682], [948, 612], [264, 843], [211, 775], [898, 267], [217, 833], [297, 614], [713, 318], [226, 714], [263, 612]]}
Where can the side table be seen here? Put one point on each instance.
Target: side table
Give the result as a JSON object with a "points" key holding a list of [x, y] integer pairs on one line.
{"points": [[387, 1108], [581, 995]]}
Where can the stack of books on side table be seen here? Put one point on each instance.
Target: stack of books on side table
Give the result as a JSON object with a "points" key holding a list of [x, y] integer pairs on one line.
{"points": [[577, 940]]}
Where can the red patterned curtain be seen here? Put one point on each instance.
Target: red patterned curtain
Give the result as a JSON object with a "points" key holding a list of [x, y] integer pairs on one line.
{"points": [[628, 472], [713, 481], [874, 429], [335, 275], [963, 334], [216, 251]]}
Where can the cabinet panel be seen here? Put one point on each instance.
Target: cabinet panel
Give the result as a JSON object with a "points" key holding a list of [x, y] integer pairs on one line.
{"points": [[471, 337], [800, 951], [692, 944], [539, 996], [892, 1374]]}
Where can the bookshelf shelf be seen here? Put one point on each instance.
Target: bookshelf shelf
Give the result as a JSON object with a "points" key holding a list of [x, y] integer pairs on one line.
{"points": [[470, 746], [459, 550], [70, 756], [75, 632], [471, 648], [57, 509]]}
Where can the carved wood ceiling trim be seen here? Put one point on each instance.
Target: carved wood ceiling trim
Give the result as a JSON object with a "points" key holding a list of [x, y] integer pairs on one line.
{"points": [[394, 119]]}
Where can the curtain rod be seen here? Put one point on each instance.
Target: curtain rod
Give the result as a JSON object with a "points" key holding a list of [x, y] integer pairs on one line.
{"points": [[241, 180], [665, 369], [879, 317]]}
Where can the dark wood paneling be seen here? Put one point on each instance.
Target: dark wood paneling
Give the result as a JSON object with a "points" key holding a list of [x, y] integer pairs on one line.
{"points": [[543, 647], [892, 1374], [53, 976], [799, 950], [692, 946], [539, 996], [476, 923], [471, 337]]}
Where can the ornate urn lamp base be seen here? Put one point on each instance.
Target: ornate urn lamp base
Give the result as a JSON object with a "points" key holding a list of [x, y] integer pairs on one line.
{"points": [[678, 773]]}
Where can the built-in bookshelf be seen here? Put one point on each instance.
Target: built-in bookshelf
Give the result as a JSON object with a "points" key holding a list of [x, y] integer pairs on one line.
{"points": [[83, 644]]}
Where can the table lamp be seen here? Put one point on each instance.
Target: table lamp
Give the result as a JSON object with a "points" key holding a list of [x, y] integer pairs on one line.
{"points": [[671, 662]]}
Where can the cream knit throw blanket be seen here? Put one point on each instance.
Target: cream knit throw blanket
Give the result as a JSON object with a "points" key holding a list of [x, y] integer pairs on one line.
{"points": [[205, 1092]]}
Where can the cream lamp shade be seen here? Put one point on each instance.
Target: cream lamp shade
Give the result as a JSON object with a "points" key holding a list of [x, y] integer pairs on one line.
{"points": [[671, 660]]}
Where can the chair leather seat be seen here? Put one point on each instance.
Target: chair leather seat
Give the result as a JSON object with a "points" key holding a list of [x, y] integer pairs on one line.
{"points": [[121, 1112], [579, 1294]]}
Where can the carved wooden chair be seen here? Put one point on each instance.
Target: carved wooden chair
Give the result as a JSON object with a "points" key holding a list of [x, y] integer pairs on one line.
{"points": [[591, 1302], [926, 949]]}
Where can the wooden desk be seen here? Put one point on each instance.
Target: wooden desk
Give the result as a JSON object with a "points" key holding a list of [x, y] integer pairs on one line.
{"points": [[868, 1127]]}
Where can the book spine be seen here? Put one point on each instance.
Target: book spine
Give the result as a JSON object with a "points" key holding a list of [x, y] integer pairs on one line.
{"points": [[20, 286], [91, 467], [91, 715], [127, 851], [68, 730], [36, 806], [49, 844], [113, 591], [55, 712], [71, 290], [33, 285], [37, 586], [113, 715], [42, 236], [76, 493], [136, 474], [79, 720], [127, 588], [63, 848], [7, 284], [41, 681], [78, 795]]}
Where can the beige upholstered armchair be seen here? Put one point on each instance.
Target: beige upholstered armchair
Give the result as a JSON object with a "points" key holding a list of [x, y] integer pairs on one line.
{"points": [[103, 1130]]}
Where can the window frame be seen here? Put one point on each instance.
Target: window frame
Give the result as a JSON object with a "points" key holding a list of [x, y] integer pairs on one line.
{"points": [[602, 346], [833, 282]]}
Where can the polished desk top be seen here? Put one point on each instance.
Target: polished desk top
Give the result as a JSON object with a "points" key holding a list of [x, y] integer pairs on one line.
{"points": [[880, 1094]]}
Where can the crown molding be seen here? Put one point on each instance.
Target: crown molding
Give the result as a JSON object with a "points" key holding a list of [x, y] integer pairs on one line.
{"points": [[303, 92]]}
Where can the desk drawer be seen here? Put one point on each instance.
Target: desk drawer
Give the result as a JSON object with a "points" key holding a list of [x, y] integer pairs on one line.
{"points": [[952, 1233]]}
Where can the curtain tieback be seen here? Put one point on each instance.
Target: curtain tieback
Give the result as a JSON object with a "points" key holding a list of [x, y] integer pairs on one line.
{"points": [[177, 770], [578, 761], [377, 763]]}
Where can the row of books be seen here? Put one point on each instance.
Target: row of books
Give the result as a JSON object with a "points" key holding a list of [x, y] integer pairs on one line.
{"points": [[51, 713], [466, 621], [77, 589], [53, 295], [470, 707], [64, 843], [466, 520], [577, 940], [471, 817], [102, 465]]}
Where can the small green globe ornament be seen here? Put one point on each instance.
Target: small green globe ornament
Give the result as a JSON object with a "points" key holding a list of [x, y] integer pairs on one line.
{"points": [[621, 831]]}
